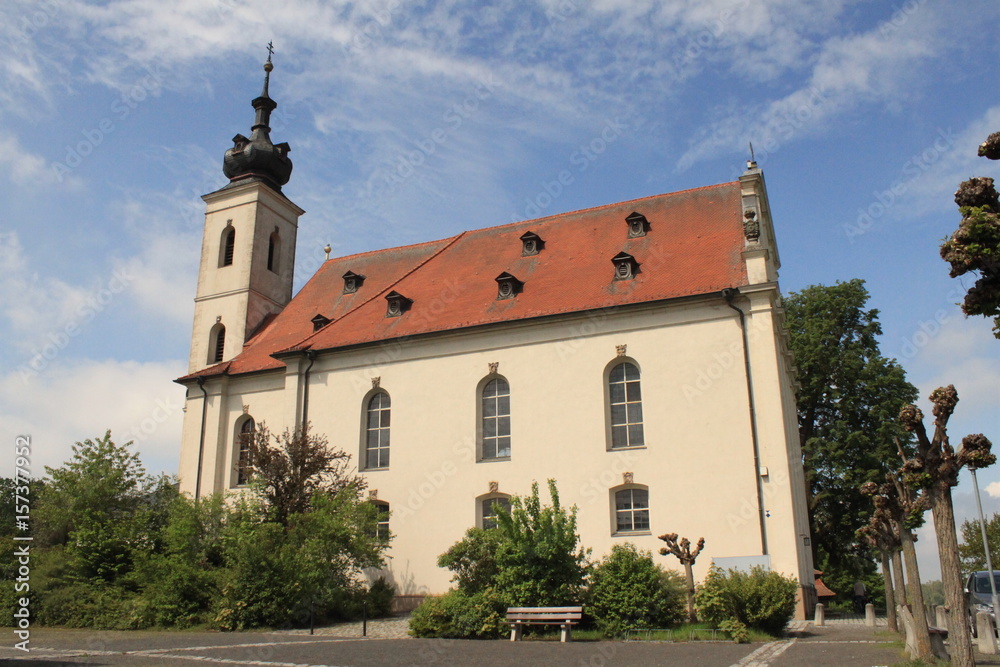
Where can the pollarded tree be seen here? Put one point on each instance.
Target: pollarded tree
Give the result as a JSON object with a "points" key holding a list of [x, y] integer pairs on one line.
{"points": [[934, 468], [849, 398], [975, 246], [682, 550]]}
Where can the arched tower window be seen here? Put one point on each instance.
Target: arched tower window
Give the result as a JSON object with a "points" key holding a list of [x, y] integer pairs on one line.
{"points": [[273, 251], [625, 406], [377, 431], [217, 344], [495, 419], [228, 245], [244, 437]]}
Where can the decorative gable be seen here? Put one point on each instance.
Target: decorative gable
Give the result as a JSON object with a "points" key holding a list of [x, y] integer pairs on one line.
{"points": [[531, 244], [508, 286], [352, 281], [638, 225], [397, 304], [626, 267]]}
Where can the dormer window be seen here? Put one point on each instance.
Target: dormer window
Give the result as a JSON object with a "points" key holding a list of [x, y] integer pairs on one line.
{"points": [[352, 281], [319, 322], [398, 304], [508, 286], [625, 266], [531, 244], [637, 225]]}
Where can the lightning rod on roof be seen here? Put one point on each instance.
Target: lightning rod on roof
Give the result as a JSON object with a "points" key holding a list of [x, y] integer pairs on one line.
{"points": [[753, 160]]}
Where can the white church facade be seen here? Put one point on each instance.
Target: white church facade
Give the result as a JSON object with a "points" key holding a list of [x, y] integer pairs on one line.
{"points": [[633, 352]]}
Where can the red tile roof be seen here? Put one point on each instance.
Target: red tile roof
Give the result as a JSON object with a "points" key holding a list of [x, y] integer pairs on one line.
{"points": [[693, 247]]}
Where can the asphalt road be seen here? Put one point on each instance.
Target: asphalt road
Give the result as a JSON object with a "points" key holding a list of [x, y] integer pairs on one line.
{"points": [[840, 646]]}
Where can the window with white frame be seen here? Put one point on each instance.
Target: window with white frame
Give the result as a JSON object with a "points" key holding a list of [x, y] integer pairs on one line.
{"points": [[625, 399], [631, 510], [496, 419], [488, 508], [382, 527], [377, 431]]}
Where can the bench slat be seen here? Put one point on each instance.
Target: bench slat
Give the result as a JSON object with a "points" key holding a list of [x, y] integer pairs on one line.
{"points": [[541, 617], [532, 610]]}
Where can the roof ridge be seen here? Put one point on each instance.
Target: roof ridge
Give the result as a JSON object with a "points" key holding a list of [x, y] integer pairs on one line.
{"points": [[451, 241], [380, 250], [598, 208]]}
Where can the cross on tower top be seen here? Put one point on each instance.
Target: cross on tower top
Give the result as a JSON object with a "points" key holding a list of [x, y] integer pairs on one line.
{"points": [[270, 50]]}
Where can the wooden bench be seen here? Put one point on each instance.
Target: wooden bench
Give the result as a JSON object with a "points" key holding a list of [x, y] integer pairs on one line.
{"points": [[564, 617]]}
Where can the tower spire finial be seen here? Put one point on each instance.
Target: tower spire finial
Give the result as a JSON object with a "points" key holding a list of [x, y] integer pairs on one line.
{"points": [[267, 68]]}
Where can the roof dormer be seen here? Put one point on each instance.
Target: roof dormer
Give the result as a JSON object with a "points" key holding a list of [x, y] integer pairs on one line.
{"points": [[531, 244], [319, 322], [626, 267], [352, 281], [397, 304], [638, 225], [508, 286]]}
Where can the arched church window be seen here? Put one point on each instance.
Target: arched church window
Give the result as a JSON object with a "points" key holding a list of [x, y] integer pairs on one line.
{"points": [[625, 402], [631, 510], [377, 431], [243, 441], [495, 424]]}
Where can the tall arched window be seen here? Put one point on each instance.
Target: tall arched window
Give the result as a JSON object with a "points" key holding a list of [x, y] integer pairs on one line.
{"points": [[496, 419], [217, 344], [228, 246], [243, 440], [377, 431], [631, 510], [273, 251], [625, 401]]}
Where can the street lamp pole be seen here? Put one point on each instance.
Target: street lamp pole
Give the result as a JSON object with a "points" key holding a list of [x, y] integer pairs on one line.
{"points": [[986, 546]]}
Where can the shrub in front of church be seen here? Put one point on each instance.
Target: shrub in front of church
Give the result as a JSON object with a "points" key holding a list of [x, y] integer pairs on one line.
{"points": [[532, 558], [276, 576], [628, 591], [758, 599]]}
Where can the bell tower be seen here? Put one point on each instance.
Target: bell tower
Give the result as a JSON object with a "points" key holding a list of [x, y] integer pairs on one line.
{"points": [[248, 247]]}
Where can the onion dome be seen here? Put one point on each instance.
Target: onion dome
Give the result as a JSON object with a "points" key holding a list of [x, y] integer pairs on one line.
{"points": [[256, 157]]}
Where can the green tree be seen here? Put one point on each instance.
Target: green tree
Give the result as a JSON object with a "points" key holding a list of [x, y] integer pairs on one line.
{"points": [[628, 591], [975, 246], [848, 402], [971, 549], [531, 558]]}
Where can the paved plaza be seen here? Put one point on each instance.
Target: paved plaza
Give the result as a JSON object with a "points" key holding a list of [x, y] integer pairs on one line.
{"points": [[841, 643]]}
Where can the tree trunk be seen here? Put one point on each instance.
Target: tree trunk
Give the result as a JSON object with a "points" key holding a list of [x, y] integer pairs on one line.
{"points": [[922, 636], [890, 599], [897, 577], [690, 577], [951, 577]]}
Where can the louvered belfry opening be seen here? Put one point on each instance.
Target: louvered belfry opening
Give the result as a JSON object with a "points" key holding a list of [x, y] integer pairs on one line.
{"points": [[220, 344]]}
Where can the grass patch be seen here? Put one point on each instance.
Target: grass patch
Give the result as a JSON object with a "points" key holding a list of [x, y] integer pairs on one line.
{"points": [[688, 632]]}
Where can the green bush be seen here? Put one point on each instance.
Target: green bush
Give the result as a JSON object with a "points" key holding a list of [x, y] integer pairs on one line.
{"points": [[758, 599], [460, 615], [380, 595], [628, 591]]}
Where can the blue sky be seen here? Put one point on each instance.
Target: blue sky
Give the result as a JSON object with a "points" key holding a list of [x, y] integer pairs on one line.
{"points": [[411, 121]]}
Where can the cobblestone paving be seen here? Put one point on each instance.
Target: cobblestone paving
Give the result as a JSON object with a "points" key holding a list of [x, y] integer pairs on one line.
{"points": [[395, 627]]}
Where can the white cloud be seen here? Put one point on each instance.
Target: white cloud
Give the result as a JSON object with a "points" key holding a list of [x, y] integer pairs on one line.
{"points": [[29, 170], [993, 489], [880, 66], [30, 302], [76, 400]]}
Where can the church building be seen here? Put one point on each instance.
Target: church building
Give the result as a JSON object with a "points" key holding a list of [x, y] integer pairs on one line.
{"points": [[634, 352]]}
